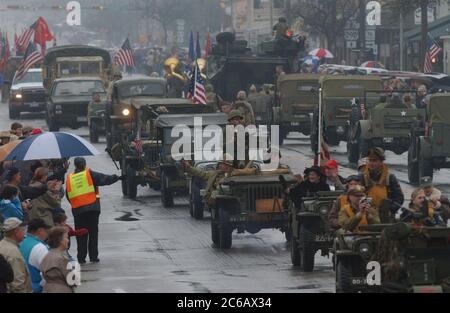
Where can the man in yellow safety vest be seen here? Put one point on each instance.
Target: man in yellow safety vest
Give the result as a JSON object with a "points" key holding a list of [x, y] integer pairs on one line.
{"points": [[82, 193]]}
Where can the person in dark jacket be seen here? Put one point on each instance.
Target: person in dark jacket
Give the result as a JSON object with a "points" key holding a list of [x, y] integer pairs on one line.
{"points": [[6, 274], [82, 193], [380, 184], [313, 183]]}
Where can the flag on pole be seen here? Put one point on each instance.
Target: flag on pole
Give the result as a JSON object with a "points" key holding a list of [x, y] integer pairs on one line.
{"points": [[191, 46], [42, 34], [433, 50], [5, 51], [32, 56], [25, 37], [125, 56], [208, 45], [197, 87], [198, 49]]}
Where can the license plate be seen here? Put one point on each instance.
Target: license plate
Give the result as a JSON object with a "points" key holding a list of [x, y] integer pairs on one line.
{"points": [[81, 119], [324, 238], [388, 140], [295, 124]]}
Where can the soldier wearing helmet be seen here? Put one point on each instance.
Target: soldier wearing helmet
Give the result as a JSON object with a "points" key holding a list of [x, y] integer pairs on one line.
{"points": [[246, 109]]}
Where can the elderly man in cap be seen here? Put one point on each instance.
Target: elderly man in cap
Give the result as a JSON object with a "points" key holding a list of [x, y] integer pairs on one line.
{"points": [[14, 231], [246, 109], [358, 211], [82, 193], [213, 178], [34, 249], [380, 184], [314, 182], [335, 181]]}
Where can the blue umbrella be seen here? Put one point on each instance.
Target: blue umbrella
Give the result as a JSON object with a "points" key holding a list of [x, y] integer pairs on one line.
{"points": [[51, 146]]}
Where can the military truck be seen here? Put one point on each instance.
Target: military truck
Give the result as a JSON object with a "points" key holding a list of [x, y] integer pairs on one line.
{"points": [[124, 92], [384, 120], [76, 61], [406, 258], [430, 143], [310, 229], [232, 66], [249, 203], [338, 94], [298, 98], [145, 144], [68, 101]]}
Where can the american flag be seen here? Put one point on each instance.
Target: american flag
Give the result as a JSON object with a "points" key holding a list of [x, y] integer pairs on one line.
{"points": [[433, 51], [25, 37], [32, 56], [125, 56], [197, 87]]}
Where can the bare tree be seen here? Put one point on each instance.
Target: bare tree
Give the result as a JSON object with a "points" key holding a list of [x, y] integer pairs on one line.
{"points": [[327, 17]]}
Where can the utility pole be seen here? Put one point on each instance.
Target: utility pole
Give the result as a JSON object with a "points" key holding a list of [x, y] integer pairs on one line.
{"points": [[362, 29], [401, 39], [271, 14]]}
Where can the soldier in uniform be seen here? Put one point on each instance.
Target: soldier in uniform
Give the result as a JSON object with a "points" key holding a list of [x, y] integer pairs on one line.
{"points": [[211, 97], [379, 183], [235, 118], [281, 28], [333, 216], [246, 109], [214, 178]]}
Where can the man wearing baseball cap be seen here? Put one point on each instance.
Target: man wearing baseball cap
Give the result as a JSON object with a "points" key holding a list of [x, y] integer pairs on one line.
{"points": [[335, 181], [14, 231], [380, 184]]}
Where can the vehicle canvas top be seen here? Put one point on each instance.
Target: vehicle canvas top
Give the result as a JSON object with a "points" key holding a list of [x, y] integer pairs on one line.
{"points": [[260, 179], [172, 120], [297, 88], [139, 80], [75, 51], [349, 86], [439, 108]]}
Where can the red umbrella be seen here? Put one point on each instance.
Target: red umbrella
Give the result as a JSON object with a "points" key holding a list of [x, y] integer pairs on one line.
{"points": [[321, 53]]}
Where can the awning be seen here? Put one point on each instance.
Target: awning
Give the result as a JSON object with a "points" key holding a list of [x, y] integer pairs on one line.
{"points": [[437, 29]]}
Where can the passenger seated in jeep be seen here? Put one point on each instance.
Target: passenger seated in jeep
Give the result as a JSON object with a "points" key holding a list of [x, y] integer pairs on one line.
{"points": [[420, 211], [333, 216], [358, 211], [314, 182]]}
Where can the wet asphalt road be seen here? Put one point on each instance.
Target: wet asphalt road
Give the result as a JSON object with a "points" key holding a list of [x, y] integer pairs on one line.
{"points": [[146, 248]]}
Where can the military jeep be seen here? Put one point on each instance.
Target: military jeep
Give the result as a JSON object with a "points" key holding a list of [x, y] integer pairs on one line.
{"points": [[173, 178], [142, 149], [298, 98], [411, 259], [430, 144], [122, 95], [310, 229], [338, 94], [382, 120], [248, 203]]}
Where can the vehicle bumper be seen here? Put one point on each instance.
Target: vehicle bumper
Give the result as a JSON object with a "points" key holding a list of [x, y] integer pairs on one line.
{"points": [[260, 220], [28, 106]]}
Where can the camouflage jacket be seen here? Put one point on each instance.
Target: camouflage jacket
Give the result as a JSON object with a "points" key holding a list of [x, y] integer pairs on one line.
{"points": [[213, 179]]}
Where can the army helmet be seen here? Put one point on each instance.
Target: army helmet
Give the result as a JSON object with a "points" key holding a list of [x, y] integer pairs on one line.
{"points": [[235, 113], [377, 152]]}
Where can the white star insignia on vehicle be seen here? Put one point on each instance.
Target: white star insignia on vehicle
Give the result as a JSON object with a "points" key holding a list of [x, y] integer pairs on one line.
{"points": [[353, 102], [403, 113]]}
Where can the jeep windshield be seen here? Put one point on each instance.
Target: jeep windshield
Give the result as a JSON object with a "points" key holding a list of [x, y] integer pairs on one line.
{"points": [[30, 77], [141, 90], [78, 88]]}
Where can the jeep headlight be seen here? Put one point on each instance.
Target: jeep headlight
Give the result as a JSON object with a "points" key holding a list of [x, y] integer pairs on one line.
{"points": [[19, 96], [225, 189], [323, 210], [364, 249], [126, 112]]}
